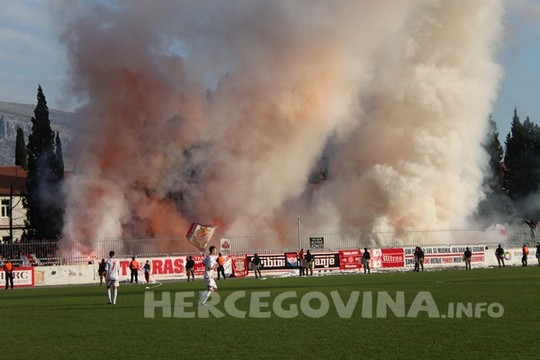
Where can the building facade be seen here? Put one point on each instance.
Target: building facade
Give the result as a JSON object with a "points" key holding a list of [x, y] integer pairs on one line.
{"points": [[12, 212]]}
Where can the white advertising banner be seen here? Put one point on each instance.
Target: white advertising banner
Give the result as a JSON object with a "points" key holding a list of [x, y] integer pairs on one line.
{"points": [[512, 257], [65, 274], [22, 277], [446, 256], [162, 268]]}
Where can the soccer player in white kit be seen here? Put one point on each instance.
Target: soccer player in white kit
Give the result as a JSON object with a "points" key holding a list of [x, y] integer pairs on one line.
{"points": [[210, 266], [112, 271]]}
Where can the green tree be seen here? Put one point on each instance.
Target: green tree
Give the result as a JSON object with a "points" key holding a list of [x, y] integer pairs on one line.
{"points": [[493, 146], [20, 150], [497, 204], [514, 159], [43, 201], [522, 179]]}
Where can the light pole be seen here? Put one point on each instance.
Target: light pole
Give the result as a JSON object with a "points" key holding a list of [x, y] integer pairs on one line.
{"points": [[298, 230]]}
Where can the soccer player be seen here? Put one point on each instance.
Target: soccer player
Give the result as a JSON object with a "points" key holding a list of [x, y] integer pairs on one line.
{"points": [[210, 266], [112, 275]]}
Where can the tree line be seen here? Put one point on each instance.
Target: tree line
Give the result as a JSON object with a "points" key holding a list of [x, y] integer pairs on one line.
{"points": [[512, 182]]}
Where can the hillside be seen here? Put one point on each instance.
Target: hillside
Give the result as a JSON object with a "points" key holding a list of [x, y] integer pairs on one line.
{"points": [[14, 115]]}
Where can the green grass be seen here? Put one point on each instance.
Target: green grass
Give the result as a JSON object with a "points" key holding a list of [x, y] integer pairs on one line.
{"points": [[75, 322]]}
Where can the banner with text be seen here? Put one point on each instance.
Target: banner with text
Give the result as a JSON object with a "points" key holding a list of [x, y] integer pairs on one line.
{"points": [[22, 277], [316, 242], [349, 259], [445, 256], [388, 258]]}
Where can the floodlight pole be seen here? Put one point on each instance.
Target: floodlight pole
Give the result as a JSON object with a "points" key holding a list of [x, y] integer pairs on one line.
{"points": [[298, 231]]}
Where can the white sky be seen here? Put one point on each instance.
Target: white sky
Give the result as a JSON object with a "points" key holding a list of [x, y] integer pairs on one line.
{"points": [[31, 54]]}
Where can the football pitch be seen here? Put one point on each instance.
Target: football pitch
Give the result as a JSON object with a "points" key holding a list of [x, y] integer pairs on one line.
{"points": [[451, 314]]}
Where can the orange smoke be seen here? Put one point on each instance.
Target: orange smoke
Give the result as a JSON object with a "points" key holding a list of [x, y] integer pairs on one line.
{"points": [[223, 115]]}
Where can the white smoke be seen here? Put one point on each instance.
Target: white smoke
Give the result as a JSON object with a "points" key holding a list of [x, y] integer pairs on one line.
{"points": [[231, 104]]}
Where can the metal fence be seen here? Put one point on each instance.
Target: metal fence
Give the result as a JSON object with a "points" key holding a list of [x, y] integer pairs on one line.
{"points": [[52, 252], [335, 240]]}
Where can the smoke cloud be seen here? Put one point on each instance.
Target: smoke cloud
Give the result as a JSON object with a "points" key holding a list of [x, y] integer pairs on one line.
{"points": [[218, 112]]}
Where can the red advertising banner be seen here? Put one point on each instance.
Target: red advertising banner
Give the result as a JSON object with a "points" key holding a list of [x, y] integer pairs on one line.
{"points": [[166, 266], [22, 277], [349, 259], [392, 258], [199, 267]]}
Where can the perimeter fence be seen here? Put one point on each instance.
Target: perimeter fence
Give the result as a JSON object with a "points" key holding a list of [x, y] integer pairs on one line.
{"points": [[53, 252]]}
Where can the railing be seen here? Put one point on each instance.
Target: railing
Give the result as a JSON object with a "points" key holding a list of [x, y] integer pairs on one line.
{"points": [[52, 252]]}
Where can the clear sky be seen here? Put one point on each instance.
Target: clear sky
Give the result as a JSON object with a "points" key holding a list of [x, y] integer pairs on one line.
{"points": [[520, 57], [32, 54]]}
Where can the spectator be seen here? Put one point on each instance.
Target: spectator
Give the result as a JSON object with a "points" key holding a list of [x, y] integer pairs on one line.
{"points": [[524, 254], [8, 273], [190, 266], [366, 257], [221, 268], [257, 264], [101, 271], [421, 256], [416, 262], [310, 260], [499, 253], [467, 255], [147, 271], [532, 225], [134, 267], [301, 259], [538, 252]]}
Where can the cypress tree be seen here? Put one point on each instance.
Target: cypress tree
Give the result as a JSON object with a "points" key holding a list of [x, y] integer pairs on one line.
{"points": [[514, 160], [495, 151], [522, 178], [497, 204], [43, 201], [20, 150]]}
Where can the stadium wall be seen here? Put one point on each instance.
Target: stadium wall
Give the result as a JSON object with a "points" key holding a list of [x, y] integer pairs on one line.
{"points": [[172, 268]]}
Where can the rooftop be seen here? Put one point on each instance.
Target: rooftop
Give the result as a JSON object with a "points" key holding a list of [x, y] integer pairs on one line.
{"points": [[12, 178]]}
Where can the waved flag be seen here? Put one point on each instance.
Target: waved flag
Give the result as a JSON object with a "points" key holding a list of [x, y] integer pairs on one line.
{"points": [[502, 230], [225, 245], [200, 235]]}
